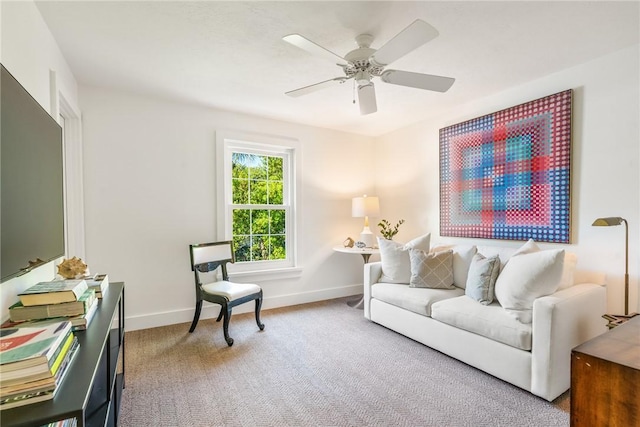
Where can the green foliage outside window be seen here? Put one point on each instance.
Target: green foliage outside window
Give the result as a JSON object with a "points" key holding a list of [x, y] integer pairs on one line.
{"points": [[258, 231]]}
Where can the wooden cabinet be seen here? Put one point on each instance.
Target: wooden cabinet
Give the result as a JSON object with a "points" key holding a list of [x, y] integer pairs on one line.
{"points": [[92, 388], [605, 379]]}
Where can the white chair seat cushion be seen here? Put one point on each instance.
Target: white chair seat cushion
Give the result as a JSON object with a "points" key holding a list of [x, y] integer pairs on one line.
{"points": [[230, 290], [490, 321], [417, 300]]}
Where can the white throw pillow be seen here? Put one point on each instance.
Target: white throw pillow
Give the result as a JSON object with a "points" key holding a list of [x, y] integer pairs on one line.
{"points": [[526, 277], [431, 269], [394, 257], [529, 247], [569, 267], [481, 281]]}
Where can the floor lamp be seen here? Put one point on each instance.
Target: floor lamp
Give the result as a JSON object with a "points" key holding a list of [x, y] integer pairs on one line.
{"points": [[616, 220], [365, 207]]}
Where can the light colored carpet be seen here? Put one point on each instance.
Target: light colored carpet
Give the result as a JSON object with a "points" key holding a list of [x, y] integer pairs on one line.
{"points": [[320, 364]]}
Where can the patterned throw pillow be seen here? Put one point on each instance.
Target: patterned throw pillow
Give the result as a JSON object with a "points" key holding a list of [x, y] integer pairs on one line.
{"points": [[431, 270]]}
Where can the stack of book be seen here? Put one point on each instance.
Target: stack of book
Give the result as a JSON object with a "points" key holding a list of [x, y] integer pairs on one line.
{"points": [[70, 300], [33, 362]]}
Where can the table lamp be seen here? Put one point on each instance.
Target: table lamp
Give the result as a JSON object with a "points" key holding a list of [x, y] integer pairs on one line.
{"points": [[616, 220], [365, 207]]}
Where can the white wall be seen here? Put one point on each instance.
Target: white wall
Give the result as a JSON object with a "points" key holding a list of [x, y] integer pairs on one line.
{"points": [[30, 53], [150, 182], [150, 178], [605, 164]]}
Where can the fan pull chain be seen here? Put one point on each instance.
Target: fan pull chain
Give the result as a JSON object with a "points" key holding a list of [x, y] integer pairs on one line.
{"points": [[354, 91]]}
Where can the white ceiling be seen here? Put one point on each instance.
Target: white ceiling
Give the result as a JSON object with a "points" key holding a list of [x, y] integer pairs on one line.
{"points": [[230, 55]]}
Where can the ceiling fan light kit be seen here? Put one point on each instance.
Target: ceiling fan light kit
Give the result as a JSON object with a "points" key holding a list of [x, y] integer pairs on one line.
{"points": [[364, 63]]}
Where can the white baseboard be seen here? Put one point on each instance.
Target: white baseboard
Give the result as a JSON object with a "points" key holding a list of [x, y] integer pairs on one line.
{"points": [[211, 310]]}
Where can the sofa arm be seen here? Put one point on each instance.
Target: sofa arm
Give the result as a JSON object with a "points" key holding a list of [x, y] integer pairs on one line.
{"points": [[562, 321], [372, 273]]}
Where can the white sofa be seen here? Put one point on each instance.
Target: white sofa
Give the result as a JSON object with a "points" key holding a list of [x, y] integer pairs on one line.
{"points": [[534, 356]]}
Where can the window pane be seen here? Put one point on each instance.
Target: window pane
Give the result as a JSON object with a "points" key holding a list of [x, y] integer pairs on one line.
{"points": [[239, 168], [241, 247], [260, 222], [275, 169], [258, 168], [277, 221], [240, 191], [241, 221], [275, 192], [260, 248], [246, 160], [277, 248], [258, 194]]}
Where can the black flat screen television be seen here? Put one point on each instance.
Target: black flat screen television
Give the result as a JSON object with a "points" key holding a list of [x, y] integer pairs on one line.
{"points": [[31, 182]]}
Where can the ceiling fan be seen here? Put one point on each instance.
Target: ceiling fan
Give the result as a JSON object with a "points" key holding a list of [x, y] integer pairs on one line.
{"points": [[364, 63]]}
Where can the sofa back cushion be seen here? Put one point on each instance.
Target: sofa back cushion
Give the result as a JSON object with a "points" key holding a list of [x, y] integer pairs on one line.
{"points": [[504, 253], [568, 270]]}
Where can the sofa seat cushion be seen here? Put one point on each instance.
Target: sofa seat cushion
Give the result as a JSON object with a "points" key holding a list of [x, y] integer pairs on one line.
{"points": [[417, 300], [490, 321]]}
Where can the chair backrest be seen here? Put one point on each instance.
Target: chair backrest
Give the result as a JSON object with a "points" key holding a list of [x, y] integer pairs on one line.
{"points": [[215, 252]]}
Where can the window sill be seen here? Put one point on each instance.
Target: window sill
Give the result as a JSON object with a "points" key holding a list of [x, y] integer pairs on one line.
{"points": [[275, 274]]}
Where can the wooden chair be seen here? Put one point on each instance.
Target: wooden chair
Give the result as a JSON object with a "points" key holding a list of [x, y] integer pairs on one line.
{"points": [[207, 257]]}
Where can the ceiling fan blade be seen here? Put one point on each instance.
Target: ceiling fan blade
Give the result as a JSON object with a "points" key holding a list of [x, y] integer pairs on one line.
{"points": [[417, 80], [412, 37], [313, 48], [317, 86], [367, 99]]}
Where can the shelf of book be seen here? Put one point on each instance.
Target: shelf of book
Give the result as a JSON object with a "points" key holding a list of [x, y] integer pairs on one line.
{"points": [[92, 388]]}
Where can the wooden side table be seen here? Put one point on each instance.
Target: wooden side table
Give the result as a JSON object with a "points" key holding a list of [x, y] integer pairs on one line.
{"points": [[605, 373], [366, 254]]}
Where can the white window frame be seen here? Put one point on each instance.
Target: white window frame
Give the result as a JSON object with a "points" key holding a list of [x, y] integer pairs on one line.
{"points": [[289, 149]]}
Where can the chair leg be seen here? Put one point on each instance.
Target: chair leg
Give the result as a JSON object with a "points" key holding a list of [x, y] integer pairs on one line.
{"points": [[196, 316], [220, 315], [225, 324], [258, 306]]}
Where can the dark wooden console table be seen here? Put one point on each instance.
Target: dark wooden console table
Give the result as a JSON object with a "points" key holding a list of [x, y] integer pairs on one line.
{"points": [[92, 388], [605, 378]]}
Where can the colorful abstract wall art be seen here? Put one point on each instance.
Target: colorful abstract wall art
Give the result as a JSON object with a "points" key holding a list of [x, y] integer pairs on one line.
{"points": [[506, 175]]}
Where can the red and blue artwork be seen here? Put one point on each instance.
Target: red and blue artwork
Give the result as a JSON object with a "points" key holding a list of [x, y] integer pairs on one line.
{"points": [[506, 175]]}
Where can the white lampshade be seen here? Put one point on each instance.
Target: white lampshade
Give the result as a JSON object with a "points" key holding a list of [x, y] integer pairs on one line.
{"points": [[365, 206]]}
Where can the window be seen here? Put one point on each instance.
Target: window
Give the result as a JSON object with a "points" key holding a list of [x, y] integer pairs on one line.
{"points": [[257, 200]]}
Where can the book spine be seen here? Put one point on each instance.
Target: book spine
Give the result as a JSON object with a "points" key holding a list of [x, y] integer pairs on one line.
{"points": [[62, 371], [26, 399], [53, 367]]}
